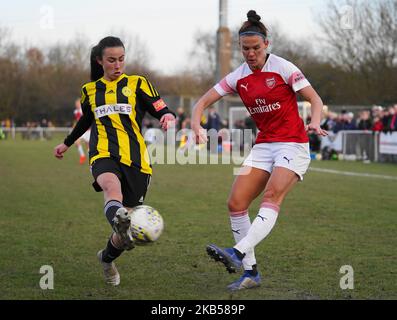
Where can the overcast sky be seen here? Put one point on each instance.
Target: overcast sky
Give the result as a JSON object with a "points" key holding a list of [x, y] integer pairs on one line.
{"points": [[166, 26]]}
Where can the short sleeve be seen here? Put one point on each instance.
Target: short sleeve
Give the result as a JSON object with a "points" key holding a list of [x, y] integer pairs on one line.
{"points": [[151, 100], [83, 95], [84, 101], [224, 88], [294, 77], [148, 89], [228, 85]]}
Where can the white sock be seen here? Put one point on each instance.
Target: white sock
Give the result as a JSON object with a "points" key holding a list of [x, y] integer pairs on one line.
{"points": [[260, 228], [240, 223], [81, 150]]}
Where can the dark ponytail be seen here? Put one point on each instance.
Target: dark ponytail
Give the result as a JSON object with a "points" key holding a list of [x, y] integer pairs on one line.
{"points": [[96, 68], [253, 25], [97, 53]]}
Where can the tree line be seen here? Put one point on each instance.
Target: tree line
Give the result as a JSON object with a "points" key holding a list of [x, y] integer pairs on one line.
{"points": [[353, 63]]}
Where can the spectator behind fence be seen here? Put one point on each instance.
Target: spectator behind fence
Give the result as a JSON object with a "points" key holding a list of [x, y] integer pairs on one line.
{"points": [[345, 121], [329, 121], [7, 124], [393, 121], [44, 124], [214, 120], [350, 121], [378, 124], [314, 139], [180, 118], [2, 134], [385, 118], [249, 123], [364, 121]]}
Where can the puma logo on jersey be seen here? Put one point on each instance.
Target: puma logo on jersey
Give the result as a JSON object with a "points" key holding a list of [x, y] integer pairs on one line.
{"points": [[110, 91], [287, 159], [236, 231], [244, 86]]}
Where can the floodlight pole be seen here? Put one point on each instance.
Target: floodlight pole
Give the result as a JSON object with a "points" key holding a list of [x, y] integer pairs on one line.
{"points": [[223, 50]]}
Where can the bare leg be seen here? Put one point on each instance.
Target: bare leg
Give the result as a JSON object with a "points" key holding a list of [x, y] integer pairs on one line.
{"points": [[280, 183], [246, 187], [111, 186]]}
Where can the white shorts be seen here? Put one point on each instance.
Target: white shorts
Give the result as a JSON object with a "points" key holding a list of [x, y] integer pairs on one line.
{"points": [[86, 136], [291, 155]]}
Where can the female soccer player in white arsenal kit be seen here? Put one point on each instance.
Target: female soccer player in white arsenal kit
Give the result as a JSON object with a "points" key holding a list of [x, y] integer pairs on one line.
{"points": [[267, 85]]}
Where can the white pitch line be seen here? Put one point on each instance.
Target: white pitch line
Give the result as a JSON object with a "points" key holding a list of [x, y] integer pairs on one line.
{"points": [[354, 174]]}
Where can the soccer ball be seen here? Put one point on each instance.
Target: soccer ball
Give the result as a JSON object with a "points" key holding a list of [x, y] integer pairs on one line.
{"points": [[146, 223]]}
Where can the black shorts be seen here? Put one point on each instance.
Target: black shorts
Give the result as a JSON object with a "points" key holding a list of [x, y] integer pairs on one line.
{"points": [[134, 183]]}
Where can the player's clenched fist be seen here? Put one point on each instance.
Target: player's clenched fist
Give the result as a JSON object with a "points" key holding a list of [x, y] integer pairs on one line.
{"points": [[59, 150]]}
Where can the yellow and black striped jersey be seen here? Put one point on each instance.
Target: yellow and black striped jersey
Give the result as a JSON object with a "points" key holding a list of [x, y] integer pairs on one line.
{"points": [[115, 110]]}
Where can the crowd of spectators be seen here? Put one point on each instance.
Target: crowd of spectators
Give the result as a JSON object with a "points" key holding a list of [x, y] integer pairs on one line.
{"points": [[31, 130], [376, 119]]}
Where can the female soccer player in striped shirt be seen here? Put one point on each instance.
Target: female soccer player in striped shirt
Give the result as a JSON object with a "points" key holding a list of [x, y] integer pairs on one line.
{"points": [[114, 105]]}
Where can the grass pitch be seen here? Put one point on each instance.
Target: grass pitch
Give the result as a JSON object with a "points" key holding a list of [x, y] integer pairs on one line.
{"points": [[50, 215]]}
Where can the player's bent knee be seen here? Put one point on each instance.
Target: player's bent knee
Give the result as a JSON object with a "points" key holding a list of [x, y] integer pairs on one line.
{"points": [[109, 184], [236, 206], [270, 194], [272, 197], [109, 187], [112, 194]]}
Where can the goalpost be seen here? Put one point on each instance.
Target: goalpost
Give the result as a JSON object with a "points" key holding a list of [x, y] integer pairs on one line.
{"points": [[237, 114]]}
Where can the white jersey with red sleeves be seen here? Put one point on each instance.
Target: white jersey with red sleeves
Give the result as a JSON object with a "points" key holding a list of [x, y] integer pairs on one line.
{"points": [[270, 97]]}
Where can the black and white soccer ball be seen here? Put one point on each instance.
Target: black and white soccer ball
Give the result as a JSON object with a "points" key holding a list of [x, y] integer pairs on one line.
{"points": [[147, 224]]}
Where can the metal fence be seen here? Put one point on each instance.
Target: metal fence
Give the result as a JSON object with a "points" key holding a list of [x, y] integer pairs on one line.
{"points": [[35, 133], [363, 145]]}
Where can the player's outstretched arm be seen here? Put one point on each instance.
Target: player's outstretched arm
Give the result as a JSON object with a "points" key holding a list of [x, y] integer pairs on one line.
{"points": [[309, 94], [209, 98], [82, 126]]}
